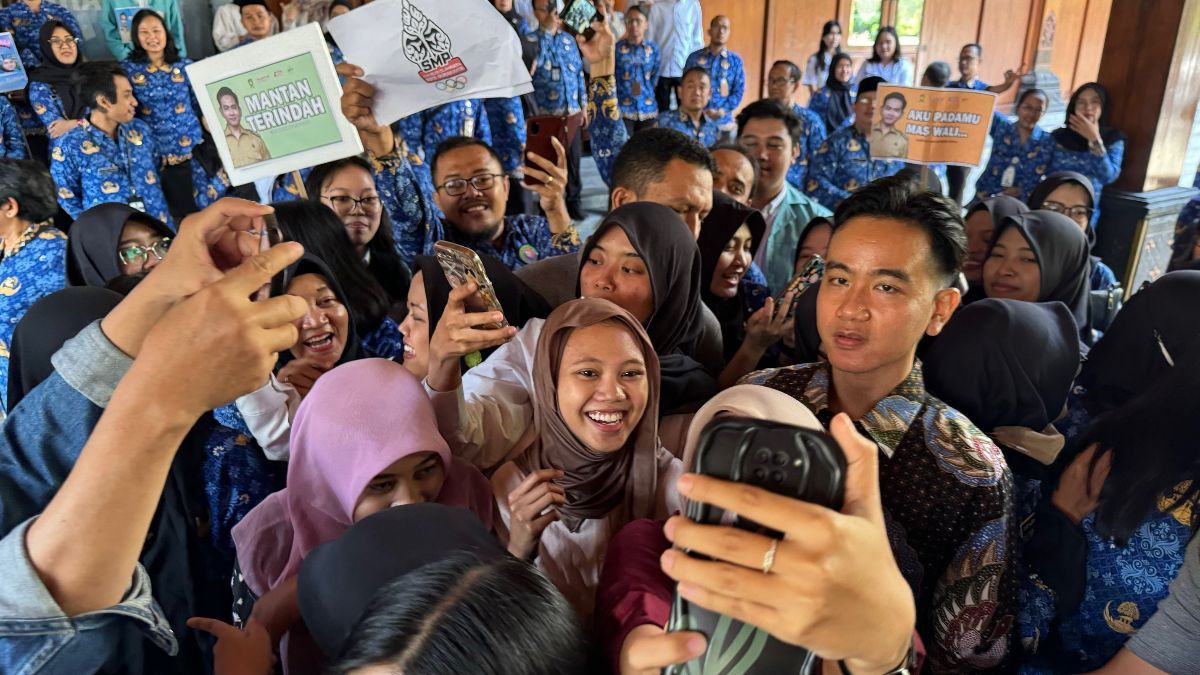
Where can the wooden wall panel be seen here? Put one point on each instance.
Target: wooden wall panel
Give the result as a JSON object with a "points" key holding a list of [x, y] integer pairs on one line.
{"points": [[794, 29], [1004, 26], [947, 26], [1091, 41], [1069, 16], [748, 25]]}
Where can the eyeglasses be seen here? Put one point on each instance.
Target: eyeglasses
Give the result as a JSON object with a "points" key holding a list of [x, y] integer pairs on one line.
{"points": [[457, 187], [346, 203], [1076, 212], [63, 42], [138, 255]]}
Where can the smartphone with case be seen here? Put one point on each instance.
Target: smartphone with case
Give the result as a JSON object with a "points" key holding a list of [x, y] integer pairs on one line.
{"points": [[539, 129], [807, 278], [463, 265], [792, 461], [577, 17]]}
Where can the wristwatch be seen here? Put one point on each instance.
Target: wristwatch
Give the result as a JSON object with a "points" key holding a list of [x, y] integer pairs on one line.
{"points": [[1097, 147], [907, 667]]}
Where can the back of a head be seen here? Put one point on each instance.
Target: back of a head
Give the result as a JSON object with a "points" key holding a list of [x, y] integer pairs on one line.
{"points": [[463, 615], [939, 218], [643, 160], [937, 74], [29, 183]]}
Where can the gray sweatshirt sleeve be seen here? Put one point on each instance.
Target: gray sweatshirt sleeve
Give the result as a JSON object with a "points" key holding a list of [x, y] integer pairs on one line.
{"points": [[1170, 640]]}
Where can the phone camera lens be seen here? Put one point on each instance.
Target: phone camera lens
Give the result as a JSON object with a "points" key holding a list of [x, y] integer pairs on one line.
{"points": [[762, 456], [760, 474], [777, 476], [781, 458]]}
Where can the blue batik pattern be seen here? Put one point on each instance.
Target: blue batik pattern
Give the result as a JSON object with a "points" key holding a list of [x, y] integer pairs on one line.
{"points": [[606, 131], [819, 104], [424, 131], [506, 120], [812, 135], [527, 239], [636, 74], [708, 133], [34, 270], [728, 76], [558, 83], [166, 104], [975, 85], [46, 104], [843, 164], [408, 205], [285, 188], [90, 168], [385, 342], [1101, 169], [25, 24], [1030, 160], [13, 145]]}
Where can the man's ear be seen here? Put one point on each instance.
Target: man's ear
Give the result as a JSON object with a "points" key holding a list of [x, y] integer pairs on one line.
{"points": [[945, 303], [620, 197]]}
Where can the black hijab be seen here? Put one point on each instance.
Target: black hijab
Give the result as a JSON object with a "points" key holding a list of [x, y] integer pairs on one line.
{"points": [[1005, 363], [999, 208], [520, 302], [726, 217], [808, 338], [1061, 249], [311, 264], [1038, 195], [64, 79], [338, 579], [92, 247], [672, 259], [1130, 357], [1070, 139], [841, 101], [48, 324]]}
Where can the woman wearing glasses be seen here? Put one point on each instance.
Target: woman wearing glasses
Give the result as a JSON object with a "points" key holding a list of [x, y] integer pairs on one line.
{"points": [[109, 241], [1072, 195], [54, 106], [166, 104], [1088, 143]]}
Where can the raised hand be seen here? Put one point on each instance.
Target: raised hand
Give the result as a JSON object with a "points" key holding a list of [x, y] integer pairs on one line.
{"points": [[456, 335], [531, 510]]}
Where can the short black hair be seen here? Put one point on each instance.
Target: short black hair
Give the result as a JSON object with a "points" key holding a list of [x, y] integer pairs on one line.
{"points": [[634, 8], [896, 96], [456, 142], [644, 159], [226, 91], [734, 147], [138, 53], [874, 58], [895, 197], [794, 71], [869, 85], [694, 69], [29, 183], [978, 48], [1030, 92], [460, 615], [771, 109], [938, 73], [97, 79]]}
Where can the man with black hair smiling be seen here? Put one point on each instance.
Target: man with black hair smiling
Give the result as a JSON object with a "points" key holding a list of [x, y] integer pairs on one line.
{"points": [[889, 281]]}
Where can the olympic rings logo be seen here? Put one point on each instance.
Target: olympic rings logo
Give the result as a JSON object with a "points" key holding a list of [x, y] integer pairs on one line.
{"points": [[452, 84]]}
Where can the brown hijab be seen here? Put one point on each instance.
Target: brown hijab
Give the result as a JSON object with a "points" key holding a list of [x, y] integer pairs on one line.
{"points": [[595, 483]]}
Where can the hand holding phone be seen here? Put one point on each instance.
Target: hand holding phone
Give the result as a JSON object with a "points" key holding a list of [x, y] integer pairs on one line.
{"points": [[577, 17], [462, 266]]}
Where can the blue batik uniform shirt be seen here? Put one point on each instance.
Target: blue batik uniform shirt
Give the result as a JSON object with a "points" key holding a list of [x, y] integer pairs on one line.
{"points": [[34, 270], [637, 73], [708, 133], [1021, 165], [90, 168], [25, 24], [558, 83], [843, 164], [424, 131], [506, 120], [728, 76], [13, 145], [976, 85], [812, 135]]}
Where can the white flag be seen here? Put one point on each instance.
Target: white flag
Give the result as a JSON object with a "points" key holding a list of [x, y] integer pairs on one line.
{"points": [[419, 54]]}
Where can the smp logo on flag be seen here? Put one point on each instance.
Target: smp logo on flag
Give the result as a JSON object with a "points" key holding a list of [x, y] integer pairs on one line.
{"points": [[428, 47]]}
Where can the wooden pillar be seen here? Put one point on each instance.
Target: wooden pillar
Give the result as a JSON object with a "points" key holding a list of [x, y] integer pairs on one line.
{"points": [[1151, 68]]}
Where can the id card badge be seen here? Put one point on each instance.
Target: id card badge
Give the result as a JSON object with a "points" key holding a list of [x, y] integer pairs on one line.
{"points": [[555, 74], [469, 127]]}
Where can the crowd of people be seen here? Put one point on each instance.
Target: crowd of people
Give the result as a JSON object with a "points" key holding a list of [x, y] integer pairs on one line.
{"points": [[259, 429]]}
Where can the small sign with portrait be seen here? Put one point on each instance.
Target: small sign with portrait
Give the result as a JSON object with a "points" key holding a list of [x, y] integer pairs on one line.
{"points": [[929, 125], [274, 105], [12, 71]]}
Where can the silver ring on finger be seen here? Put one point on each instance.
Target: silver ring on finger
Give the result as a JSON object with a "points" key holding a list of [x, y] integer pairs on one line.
{"points": [[768, 560]]}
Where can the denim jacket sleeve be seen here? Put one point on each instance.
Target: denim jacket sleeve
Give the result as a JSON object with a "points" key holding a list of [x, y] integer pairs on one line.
{"points": [[37, 637], [45, 433]]}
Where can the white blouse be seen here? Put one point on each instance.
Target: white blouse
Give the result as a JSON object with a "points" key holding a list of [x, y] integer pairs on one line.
{"points": [[896, 72]]}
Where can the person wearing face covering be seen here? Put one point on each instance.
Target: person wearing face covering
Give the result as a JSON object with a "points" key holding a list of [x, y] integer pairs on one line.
{"points": [[835, 101], [596, 463], [352, 456], [1008, 365], [1041, 256], [429, 294], [1087, 142], [1072, 194], [111, 240], [981, 222], [643, 258]]}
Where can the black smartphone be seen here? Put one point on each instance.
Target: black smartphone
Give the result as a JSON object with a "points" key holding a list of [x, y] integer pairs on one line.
{"points": [[793, 461], [577, 17]]}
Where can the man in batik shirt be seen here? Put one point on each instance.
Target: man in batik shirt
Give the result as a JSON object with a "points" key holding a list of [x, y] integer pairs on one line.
{"points": [[947, 491]]}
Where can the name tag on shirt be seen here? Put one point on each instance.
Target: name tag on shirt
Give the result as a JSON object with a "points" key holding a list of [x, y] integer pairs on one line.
{"points": [[555, 74], [469, 127]]}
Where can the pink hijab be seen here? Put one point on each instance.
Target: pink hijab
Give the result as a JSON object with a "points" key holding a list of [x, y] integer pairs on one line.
{"points": [[359, 419]]}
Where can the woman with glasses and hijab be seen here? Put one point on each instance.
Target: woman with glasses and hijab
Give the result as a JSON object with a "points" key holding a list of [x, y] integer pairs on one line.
{"points": [[53, 93], [1071, 194], [114, 240]]}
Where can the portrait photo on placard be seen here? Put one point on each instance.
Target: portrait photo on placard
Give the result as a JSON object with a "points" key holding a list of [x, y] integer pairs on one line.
{"points": [[12, 71]]}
